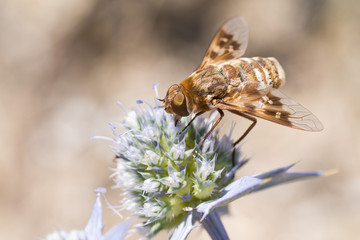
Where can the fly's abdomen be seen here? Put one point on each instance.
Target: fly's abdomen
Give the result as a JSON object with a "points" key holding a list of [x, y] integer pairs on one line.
{"points": [[267, 71]]}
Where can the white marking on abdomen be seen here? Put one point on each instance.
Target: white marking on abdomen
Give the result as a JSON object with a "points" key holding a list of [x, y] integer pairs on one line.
{"points": [[258, 74], [257, 71]]}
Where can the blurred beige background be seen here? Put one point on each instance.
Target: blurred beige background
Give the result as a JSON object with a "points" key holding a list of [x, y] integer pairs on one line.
{"points": [[64, 64]]}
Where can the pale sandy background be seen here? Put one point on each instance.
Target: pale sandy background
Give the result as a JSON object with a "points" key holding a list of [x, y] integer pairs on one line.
{"points": [[64, 64]]}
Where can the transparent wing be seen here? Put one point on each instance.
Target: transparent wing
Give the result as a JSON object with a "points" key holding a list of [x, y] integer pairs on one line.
{"points": [[272, 105], [229, 42]]}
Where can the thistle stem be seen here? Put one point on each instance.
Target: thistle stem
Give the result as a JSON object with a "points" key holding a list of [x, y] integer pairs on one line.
{"points": [[213, 225]]}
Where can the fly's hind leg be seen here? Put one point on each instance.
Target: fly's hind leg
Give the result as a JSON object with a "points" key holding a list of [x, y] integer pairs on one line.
{"points": [[221, 104], [245, 133], [254, 121]]}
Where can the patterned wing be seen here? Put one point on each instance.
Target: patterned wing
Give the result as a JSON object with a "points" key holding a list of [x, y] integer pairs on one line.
{"points": [[229, 42], [272, 105]]}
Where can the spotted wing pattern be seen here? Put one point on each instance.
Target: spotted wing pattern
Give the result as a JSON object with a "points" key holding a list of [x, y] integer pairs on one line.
{"points": [[272, 105], [229, 42]]}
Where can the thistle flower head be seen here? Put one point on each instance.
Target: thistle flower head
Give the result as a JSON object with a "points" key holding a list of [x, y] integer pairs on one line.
{"points": [[163, 170]]}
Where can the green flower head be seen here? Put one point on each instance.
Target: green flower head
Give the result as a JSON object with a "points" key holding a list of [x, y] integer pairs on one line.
{"points": [[162, 169]]}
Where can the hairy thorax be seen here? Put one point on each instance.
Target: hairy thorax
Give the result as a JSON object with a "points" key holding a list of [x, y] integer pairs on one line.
{"points": [[204, 85]]}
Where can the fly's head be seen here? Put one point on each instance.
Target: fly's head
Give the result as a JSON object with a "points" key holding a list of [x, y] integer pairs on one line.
{"points": [[177, 102]]}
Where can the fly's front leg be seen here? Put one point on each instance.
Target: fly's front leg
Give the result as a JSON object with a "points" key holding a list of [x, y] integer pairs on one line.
{"points": [[213, 127], [196, 115]]}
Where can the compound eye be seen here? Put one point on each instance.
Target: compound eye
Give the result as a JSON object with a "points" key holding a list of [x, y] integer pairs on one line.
{"points": [[179, 105], [172, 88]]}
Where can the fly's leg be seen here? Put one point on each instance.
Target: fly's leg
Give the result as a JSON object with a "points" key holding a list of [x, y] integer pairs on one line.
{"points": [[245, 133], [196, 115], [213, 127]]}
